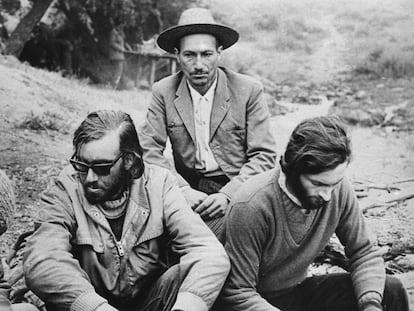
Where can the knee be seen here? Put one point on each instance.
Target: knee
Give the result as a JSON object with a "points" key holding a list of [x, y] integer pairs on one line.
{"points": [[393, 286], [395, 295], [23, 307], [171, 276]]}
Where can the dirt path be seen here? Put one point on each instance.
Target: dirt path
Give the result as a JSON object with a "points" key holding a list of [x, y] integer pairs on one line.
{"points": [[328, 59]]}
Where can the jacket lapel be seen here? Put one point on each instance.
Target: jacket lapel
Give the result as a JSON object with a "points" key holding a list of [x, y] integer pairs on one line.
{"points": [[184, 105], [221, 103]]}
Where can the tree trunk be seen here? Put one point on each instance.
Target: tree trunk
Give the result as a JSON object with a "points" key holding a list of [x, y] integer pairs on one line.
{"points": [[21, 34]]}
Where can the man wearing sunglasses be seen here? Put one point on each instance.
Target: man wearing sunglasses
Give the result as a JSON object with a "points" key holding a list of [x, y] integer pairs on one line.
{"points": [[109, 227]]}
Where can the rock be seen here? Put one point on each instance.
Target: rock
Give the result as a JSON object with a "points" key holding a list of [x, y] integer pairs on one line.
{"points": [[325, 268], [406, 261], [361, 95], [30, 170]]}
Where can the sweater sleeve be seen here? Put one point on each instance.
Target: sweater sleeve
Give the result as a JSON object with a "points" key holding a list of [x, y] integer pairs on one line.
{"points": [[50, 269], [366, 264], [246, 232], [203, 263]]}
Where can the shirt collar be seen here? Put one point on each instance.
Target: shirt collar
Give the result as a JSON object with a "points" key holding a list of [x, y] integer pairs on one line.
{"points": [[195, 95], [282, 185]]}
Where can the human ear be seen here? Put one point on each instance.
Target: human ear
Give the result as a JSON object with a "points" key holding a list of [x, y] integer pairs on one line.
{"points": [[128, 161]]}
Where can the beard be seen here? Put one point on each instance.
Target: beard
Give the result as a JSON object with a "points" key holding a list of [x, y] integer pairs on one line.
{"points": [[309, 202], [97, 192]]}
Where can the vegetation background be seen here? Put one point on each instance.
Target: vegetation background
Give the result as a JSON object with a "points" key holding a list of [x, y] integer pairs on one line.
{"points": [[347, 57]]}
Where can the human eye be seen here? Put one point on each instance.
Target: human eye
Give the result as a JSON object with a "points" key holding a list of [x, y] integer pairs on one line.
{"points": [[208, 54], [188, 55], [102, 169]]}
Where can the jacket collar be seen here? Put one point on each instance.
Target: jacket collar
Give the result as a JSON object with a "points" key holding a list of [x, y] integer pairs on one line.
{"points": [[221, 104], [138, 209]]}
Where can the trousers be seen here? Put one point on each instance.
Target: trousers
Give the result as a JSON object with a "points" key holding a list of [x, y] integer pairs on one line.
{"points": [[336, 292], [160, 296], [209, 186]]}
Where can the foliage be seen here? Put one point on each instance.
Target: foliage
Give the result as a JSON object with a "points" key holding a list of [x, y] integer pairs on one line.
{"points": [[10, 6], [294, 39], [43, 122]]}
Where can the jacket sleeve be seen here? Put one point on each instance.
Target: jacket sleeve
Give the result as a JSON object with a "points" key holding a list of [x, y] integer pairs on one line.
{"points": [[245, 238], [154, 135], [260, 144], [4, 291], [51, 271], [366, 263], [204, 264]]}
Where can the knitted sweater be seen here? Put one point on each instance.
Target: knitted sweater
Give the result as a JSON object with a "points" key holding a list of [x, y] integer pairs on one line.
{"points": [[266, 254]]}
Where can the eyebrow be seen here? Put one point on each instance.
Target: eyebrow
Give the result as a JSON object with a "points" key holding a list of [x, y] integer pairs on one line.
{"points": [[319, 183]]}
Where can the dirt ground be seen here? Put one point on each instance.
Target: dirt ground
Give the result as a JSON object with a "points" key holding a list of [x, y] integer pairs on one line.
{"points": [[40, 110]]}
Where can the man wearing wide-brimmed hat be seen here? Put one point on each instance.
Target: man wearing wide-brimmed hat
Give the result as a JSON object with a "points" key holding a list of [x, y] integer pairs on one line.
{"points": [[216, 119]]}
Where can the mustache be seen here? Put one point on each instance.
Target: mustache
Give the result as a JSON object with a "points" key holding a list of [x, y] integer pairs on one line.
{"points": [[93, 185]]}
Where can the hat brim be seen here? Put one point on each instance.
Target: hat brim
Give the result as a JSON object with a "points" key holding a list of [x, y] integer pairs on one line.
{"points": [[168, 39]]}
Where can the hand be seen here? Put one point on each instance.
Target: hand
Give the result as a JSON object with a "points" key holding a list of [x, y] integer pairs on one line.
{"points": [[194, 197], [213, 206]]}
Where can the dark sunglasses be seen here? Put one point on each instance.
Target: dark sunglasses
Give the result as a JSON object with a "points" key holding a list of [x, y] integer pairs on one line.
{"points": [[101, 169]]}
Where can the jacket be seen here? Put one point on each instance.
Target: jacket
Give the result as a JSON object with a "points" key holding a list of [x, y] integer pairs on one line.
{"points": [[240, 137], [73, 261]]}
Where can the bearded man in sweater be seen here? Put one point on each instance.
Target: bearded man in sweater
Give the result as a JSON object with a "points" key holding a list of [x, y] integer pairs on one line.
{"points": [[280, 220]]}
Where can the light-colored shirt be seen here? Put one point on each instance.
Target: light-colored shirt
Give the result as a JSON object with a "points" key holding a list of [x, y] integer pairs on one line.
{"points": [[283, 186], [202, 104]]}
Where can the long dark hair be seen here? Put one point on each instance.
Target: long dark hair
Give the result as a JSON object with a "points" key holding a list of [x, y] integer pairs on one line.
{"points": [[316, 145], [98, 123]]}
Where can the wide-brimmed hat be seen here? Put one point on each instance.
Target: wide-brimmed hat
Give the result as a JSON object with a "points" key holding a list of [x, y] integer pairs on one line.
{"points": [[194, 21]]}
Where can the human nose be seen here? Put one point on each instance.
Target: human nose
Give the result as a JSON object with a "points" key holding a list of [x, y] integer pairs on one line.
{"points": [[325, 194], [91, 176], [199, 62]]}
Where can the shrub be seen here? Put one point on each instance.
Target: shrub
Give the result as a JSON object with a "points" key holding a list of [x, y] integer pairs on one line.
{"points": [[43, 122]]}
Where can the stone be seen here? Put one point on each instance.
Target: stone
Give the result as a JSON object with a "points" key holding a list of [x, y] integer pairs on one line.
{"points": [[361, 95]]}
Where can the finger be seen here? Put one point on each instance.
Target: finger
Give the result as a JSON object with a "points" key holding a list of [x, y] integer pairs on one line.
{"points": [[219, 212], [211, 209], [204, 205]]}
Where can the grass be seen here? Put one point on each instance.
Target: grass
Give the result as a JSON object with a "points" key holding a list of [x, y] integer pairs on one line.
{"points": [[285, 40], [44, 122]]}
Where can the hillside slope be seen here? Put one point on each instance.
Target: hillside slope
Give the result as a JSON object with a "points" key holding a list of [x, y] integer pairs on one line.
{"points": [[39, 111]]}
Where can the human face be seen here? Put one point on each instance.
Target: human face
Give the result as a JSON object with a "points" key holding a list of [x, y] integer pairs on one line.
{"points": [[316, 189], [199, 57], [101, 188]]}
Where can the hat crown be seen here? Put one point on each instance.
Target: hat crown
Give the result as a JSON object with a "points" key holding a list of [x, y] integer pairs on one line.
{"points": [[196, 16]]}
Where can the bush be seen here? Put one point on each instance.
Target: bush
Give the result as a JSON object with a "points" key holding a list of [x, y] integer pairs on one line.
{"points": [[43, 122], [387, 64]]}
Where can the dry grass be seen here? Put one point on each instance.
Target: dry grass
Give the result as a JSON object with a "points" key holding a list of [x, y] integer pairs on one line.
{"points": [[290, 40], [57, 103]]}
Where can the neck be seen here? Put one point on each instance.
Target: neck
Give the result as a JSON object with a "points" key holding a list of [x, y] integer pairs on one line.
{"points": [[115, 208]]}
